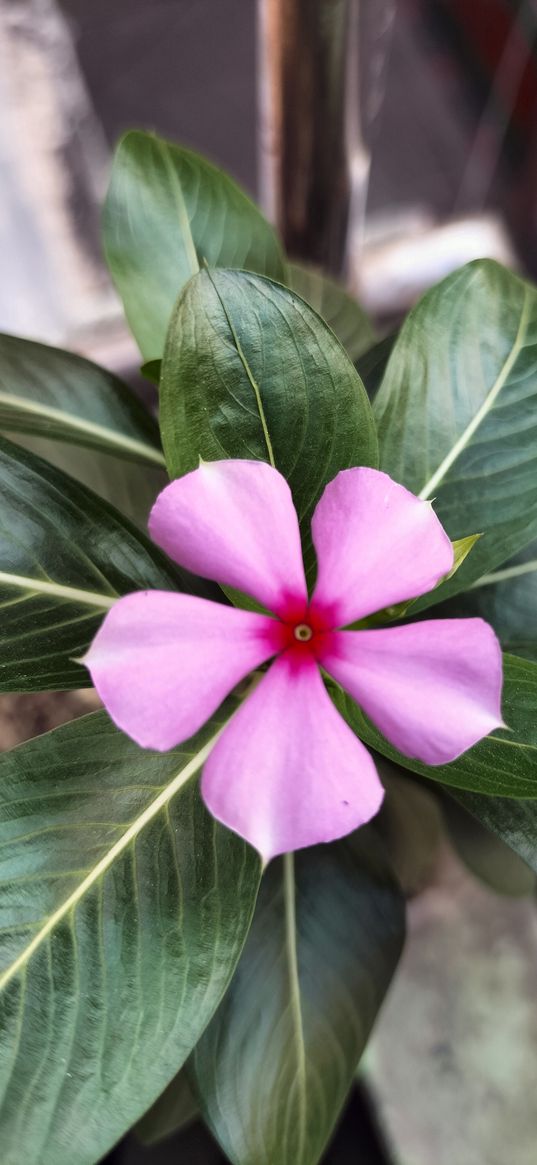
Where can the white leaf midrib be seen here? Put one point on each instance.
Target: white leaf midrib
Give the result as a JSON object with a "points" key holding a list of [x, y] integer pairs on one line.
{"points": [[460, 445], [57, 590], [111, 438], [134, 829], [289, 890], [497, 576]]}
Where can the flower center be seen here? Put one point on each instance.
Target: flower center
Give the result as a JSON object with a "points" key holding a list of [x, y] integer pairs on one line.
{"points": [[303, 633]]}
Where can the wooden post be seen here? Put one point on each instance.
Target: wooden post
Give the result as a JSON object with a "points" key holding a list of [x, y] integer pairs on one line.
{"points": [[307, 60]]}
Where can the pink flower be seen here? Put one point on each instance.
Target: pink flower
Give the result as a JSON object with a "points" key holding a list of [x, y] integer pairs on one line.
{"points": [[287, 771]]}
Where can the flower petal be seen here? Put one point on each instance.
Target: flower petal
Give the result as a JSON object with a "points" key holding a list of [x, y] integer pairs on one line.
{"points": [[376, 545], [287, 771], [234, 522], [433, 689], [162, 662]]}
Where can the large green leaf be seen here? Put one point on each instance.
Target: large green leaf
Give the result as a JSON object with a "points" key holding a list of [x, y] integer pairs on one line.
{"points": [[342, 313], [129, 486], [372, 365], [53, 393], [506, 598], [168, 210], [485, 854], [504, 764], [65, 556], [251, 371], [457, 412], [274, 1066], [123, 909], [514, 822]]}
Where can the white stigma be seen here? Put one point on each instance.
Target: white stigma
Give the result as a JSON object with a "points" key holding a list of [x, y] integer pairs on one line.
{"points": [[303, 633]]}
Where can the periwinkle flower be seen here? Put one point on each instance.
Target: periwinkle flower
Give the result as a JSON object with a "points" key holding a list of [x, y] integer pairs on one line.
{"points": [[287, 771]]}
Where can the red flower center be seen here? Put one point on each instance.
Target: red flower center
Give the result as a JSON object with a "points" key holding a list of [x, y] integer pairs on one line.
{"points": [[302, 631]]}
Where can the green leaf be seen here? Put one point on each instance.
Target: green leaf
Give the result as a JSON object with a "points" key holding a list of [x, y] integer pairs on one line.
{"points": [[123, 909], [131, 488], [507, 599], [342, 313], [486, 855], [514, 822], [52, 393], [84, 421], [457, 413], [168, 210], [371, 366], [65, 556], [504, 764], [274, 1066], [173, 1110], [251, 371]]}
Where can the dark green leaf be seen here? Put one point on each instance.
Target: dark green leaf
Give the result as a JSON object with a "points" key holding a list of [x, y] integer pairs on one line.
{"points": [[130, 487], [507, 599], [371, 366], [502, 765], [175, 1108], [123, 910], [53, 393], [65, 556], [274, 1066], [342, 313], [486, 855], [168, 210], [457, 413], [151, 370], [514, 822], [251, 371]]}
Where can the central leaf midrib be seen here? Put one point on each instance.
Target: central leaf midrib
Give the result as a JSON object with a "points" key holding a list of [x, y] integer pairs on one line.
{"points": [[32, 586], [104, 863], [109, 437], [289, 884], [461, 443], [182, 213], [251, 378], [504, 575]]}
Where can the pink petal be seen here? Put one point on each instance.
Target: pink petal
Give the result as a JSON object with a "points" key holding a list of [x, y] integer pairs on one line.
{"points": [[376, 545], [433, 689], [287, 771], [234, 522], [162, 663]]}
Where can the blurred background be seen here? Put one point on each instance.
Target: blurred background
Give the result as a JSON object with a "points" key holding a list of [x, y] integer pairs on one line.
{"points": [[409, 146], [440, 136]]}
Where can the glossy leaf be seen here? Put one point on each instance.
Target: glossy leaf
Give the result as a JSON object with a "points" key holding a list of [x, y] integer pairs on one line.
{"points": [[342, 312], [167, 212], [52, 393], [123, 910], [129, 486], [251, 371], [486, 856], [514, 822], [65, 556], [457, 413], [371, 366], [507, 599], [504, 764], [274, 1066]]}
